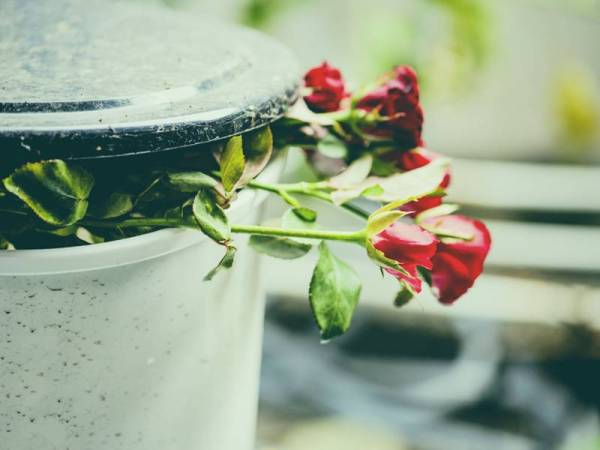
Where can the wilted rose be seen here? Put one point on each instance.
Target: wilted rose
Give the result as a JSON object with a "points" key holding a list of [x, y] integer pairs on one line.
{"points": [[399, 115], [327, 88], [458, 262]]}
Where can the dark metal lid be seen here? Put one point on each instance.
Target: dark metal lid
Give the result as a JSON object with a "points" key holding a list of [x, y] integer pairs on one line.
{"points": [[88, 79]]}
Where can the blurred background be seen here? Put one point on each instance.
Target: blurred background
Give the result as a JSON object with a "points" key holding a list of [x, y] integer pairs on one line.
{"points": [[512, 92]]}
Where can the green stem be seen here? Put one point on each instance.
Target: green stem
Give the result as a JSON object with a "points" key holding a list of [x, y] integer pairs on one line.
{"points": [[355, 236], [310, 190], [352, 236]]}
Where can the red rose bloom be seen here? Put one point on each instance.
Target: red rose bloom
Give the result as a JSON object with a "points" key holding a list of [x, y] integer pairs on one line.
{"points": [[414, 159], [410, 246], [328, 89], [397, 104], [457, 263]]}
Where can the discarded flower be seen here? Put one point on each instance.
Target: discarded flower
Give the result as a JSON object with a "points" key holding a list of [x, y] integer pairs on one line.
{"points": [[410, 246], [327, 88], [457, 262], [395, 106]]}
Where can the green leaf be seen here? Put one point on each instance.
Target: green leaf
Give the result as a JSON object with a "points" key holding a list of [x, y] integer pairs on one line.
{"points": [[210, 217], [305, 214], [447, 235], [398, 189], [356, 173], [334, 293], [87, 236], [380, 220], [382, 168], [406, 187], [332, 147], [114, 205], [4, 244], [190, 181], [232, 163], [225, 263], [404, 296], [258, 148], [57, 192], [442, 210], [279, 247]]}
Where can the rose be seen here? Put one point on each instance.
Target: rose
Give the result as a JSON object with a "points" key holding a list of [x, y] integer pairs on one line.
{"points": [[410, 246], [457, 262], [327, 88], [398, 114], [414, 159]]}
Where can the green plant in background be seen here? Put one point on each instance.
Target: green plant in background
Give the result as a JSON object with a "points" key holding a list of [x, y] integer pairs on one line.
{"points": [[392, 34], [577, 108], [447, 41], [260, 13]]}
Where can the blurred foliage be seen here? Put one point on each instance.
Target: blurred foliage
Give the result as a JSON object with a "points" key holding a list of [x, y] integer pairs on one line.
{"points": [[587, 7], [577, 107], [385, 35], [260, 13]]}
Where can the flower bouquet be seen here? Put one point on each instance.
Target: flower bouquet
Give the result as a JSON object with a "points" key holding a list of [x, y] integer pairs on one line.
{"points": [[367, 144]]}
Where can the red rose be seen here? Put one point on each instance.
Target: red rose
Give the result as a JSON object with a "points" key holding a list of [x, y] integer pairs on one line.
{"points": [[328, 89], [414, 159], [457, 263], [410, 246], [397, 104]]}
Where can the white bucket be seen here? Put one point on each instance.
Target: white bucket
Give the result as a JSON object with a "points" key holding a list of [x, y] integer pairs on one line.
{"points": [[123, 346]]}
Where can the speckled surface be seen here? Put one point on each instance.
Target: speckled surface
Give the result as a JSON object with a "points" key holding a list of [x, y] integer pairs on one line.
{"points": [[141, 357], [95, 78]]}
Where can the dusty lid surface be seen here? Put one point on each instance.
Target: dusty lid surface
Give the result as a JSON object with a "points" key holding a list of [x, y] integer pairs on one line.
{"points": [[95, 78]]}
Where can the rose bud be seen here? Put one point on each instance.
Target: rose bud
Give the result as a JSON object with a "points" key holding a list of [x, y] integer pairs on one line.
{"points": [[457, 262], [410, 246], [327, 88], [398, 112], [414, 159]]}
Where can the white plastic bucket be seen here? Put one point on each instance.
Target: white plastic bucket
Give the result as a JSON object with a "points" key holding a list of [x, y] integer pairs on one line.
{"points": [[123, 346]]}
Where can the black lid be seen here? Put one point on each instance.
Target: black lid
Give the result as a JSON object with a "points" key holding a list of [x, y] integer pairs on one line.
{"points": [[88, 79]]}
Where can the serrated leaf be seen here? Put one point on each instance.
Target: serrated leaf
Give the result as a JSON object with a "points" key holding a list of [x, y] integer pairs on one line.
{"points": [[334, 293], [57, 192], [232, 163], [356, 173], [406, 187], [224, 264], [258, 148], [279, 247], [331, 147], [190, 181], [210, 216], [397, 189], [107, 207]]}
